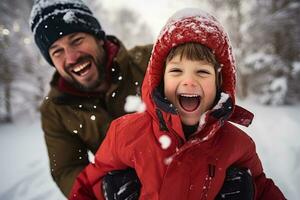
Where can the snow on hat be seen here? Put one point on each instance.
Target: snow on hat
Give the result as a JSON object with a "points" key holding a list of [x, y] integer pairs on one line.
{"points": [[53, 19]]}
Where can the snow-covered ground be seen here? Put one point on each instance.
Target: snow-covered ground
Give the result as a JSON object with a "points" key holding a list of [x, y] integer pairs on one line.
{"points": [[24, 163]]}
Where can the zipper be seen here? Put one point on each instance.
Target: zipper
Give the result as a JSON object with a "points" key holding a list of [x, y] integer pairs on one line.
{"points": [[208, 180], [163, 127]]}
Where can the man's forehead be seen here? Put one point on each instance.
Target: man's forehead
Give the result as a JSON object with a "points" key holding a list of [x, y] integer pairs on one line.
{"points": [[65, 38]]}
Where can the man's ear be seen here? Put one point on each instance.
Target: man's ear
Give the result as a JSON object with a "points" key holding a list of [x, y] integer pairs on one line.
{"points": [[100, 42]]}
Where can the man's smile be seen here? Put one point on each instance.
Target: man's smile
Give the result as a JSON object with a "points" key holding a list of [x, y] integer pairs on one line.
{"points": [[82, 68]]}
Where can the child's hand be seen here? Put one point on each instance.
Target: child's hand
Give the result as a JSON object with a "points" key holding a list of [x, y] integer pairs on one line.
{"points": [[238, 185], [121, 184]]}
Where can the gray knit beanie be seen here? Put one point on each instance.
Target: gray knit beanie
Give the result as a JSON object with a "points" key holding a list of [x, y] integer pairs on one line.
{"points": [[53, 19]]}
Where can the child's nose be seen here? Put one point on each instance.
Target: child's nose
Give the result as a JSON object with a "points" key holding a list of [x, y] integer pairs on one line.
{"points": [[190, 82]]}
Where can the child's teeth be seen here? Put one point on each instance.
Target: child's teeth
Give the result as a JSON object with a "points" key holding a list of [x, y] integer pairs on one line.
{"points": [[189, 95]]}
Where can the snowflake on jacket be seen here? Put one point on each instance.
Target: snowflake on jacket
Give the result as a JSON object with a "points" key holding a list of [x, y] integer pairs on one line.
{"points": [[168, 164]]}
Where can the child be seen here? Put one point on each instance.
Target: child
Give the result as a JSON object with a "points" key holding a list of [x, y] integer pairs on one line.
{"points": [[182, 145]]}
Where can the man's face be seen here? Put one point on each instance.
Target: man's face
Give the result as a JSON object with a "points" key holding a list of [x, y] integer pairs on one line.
{"points": [[78, 57], [190, 86]]}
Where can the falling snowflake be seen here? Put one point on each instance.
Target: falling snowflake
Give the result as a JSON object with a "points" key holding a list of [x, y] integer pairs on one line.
{"points": [[134, 104], [93, 117], [168, 160], [165, 141]]}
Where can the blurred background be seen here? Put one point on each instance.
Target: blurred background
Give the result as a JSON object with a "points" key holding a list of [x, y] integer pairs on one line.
{"points": [[265, 35], [266, 42]]}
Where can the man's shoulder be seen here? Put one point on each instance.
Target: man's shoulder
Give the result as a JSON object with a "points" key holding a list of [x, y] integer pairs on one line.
{"points": [[49, 101], [146, 49], [141, 53]]}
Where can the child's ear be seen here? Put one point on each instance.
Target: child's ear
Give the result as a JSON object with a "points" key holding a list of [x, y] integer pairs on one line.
{"points": [[219, 79]]}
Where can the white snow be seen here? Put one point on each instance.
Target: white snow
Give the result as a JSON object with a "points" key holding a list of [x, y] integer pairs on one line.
{"points": [[165, 141], [25, 173], [134, 104], [296, 67], [198, 14], [69, 17], [189, 12], [93, 117], [223, 99]]}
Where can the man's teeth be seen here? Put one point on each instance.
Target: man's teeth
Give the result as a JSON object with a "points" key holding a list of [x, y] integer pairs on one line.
{"points": [[80, 67]]}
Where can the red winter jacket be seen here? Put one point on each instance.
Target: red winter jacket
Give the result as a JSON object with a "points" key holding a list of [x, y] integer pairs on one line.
{"points": [[185, 169]]}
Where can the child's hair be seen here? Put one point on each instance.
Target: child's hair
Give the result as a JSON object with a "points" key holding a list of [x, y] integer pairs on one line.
{"points": [[195, 51]]}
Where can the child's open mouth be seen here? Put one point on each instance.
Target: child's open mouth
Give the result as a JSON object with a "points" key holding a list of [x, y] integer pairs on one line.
{"points": [[82, 69], [189, 102]]}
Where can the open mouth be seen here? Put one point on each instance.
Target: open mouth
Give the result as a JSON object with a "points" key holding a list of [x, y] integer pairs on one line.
{"points": [[189, 102], [81, 69]]}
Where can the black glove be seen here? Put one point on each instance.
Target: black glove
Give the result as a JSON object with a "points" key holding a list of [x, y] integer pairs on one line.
{"points": [[238, 185], [121, 185]]}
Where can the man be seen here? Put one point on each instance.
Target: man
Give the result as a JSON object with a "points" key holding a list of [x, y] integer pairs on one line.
{"points": [[94, 74]]}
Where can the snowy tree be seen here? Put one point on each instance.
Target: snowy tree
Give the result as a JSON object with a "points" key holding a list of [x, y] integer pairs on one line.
{"points": [[124, 23], [274, 38], [265, 37], [233, 14], [22, 76]]}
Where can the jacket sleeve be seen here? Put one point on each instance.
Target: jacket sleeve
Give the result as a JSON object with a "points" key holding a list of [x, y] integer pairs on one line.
{"points": [[264, 187], [88, 184], [67, 153]]}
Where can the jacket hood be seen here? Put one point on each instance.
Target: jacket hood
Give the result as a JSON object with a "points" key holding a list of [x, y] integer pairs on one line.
{"points": [[193, 25]]}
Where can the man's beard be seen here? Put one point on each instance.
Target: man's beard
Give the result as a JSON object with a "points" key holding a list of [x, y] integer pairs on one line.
{"points": [[100, 67]]}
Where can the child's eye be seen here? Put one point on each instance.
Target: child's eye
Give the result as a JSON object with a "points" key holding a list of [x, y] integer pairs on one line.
{"points": [[203, 72], [175, 70]]}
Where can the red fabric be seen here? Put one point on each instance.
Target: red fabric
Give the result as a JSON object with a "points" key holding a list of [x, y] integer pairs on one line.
{"points": [[197, 168], [189, 170], [64, 86]]}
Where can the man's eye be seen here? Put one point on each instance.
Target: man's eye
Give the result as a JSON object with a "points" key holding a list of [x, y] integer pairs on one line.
{"points": [[77, 41], [56, 53]]}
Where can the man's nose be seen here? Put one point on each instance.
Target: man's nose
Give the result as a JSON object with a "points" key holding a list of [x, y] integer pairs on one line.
{"points": [[72, 55]]}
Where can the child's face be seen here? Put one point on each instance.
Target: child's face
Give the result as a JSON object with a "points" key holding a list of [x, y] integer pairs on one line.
{"points": [[190, 86]]}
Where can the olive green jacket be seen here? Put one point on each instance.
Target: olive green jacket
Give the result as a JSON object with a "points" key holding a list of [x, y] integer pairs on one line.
{"points": [[74, 125]]}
